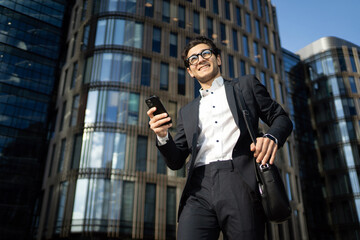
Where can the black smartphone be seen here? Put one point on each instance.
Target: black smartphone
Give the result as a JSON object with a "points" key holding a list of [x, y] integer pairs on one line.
{"points": [[154, 101]]}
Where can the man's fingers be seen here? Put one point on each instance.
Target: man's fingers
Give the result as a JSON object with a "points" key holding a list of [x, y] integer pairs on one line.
{"points": [[272, 159]]}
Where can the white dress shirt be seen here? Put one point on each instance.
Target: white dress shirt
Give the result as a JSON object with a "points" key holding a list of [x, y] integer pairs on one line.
{"points": [[219, 132]]}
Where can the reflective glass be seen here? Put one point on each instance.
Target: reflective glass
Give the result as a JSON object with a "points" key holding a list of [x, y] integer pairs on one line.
{"points": [[111, 32], [156, 42], [61, 155], [181, 81], [245, 46], [272, 87], [170, 213], [164, 76], [103, 150], [181, 16], [166, 11], [141, 153], [231, 67], [149, 8], [265, 58], [145, 71], [115, 67], [149, 211], [173, 45], [61, 207], [248, 23], [196, 22], [235, 40], [238, 16]]}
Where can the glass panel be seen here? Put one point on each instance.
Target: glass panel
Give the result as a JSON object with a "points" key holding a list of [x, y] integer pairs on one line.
{"points": [[288, 186], [181, 81], [161, 165], [164, 76], [141, 153], [74, 110], [173, 45], [166, 11], [231, 66], [196, 22], [61, 155], [79, 205], [149, 212], [156, 43], [181, 15], [272, 86], [145, 71], [61, 207], [100, 33], [171, 213], [245, 46], [235, 40]]}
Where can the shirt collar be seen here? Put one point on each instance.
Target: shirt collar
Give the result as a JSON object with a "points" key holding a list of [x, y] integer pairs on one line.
{"points": [[216, 84]]}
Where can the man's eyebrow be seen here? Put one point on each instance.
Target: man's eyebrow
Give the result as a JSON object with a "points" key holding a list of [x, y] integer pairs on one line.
{"points": [[199, 52]]}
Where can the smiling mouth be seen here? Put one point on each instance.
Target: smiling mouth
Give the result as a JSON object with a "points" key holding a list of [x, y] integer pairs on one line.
{"points": [[204, 66]]}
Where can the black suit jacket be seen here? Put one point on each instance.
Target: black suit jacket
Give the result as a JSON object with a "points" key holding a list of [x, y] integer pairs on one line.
{"points": [[259, 104]]}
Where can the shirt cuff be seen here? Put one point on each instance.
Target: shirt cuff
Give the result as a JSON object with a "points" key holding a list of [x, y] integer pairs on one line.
{"points": [[163, 140], [271, 137]]}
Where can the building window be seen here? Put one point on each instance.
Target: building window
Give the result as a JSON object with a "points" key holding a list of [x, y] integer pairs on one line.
{"points": [[352, 61], [172, 110], [74, 73], [266, 34], [164, 76], [235, 40], [224, 39], [75, 18], [248, 23], [231, 67], [181, 16], [252, 70], [85, 40], [171, 213], [74, 110], [196, 22], [274, 41], [156, 42], [227, 10], [76, 153], [103, 150], [173, 45], [243, 67], [267, 15], [61, 207], [263, 78], [62, 117], [203, 3], [128, 6], [52, 159], [256, 52], [84, 9], [149, 8], [161, 165], [288, 186], [352, 85], [281, 93], [181, 81], [65, 80], [112, 32], [272, 86], [97, 201], [61, 155], [238, 16], [245, 46], [216, 6], [259, 8], [48, 205], [166, 11], [108, 67], [265, 58], [112, 106], [73, 45], [141, 153], [258, 31], [145, 71], [251, 5], [149, 212], [210, 27], [273, 63]]}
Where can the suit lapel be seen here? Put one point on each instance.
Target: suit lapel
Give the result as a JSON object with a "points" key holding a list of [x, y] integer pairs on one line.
{"points": [[238, 117]]}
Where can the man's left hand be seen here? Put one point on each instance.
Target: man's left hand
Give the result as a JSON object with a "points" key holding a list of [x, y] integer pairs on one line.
{"points": [[264, 150]]}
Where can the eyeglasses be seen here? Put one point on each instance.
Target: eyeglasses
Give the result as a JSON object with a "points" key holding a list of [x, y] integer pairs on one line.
{"points": [[194, 59]]}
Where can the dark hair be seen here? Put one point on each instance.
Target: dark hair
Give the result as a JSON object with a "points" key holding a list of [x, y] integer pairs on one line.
{"points": [[195, 41]]}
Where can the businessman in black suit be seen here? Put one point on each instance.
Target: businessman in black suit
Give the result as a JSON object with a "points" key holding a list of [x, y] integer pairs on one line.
{"points": [[220, 193]]}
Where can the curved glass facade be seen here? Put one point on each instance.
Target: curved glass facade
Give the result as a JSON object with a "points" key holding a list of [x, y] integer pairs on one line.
{"points": [[333, 77], [105, 177]]}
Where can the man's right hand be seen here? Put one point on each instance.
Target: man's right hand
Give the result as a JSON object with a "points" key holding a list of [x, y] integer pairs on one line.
{"points": [[156, 122]]}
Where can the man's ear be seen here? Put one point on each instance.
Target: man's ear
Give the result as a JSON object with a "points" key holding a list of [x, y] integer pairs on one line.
{"points": [[189, 72], [218, 60]]}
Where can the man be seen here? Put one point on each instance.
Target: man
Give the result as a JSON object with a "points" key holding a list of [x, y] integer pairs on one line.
{"points": [[220, 193]]}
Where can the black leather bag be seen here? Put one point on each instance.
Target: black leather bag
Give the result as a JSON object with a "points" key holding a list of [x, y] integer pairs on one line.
{"points": [[271, 187]]}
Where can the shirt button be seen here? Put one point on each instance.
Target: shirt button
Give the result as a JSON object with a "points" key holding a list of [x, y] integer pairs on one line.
{"points": [[215, 121], [212, 92], [217, 140], [213, 106]]}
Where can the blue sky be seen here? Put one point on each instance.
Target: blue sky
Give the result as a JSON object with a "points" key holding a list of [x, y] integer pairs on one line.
{"points": [[302, 22]]}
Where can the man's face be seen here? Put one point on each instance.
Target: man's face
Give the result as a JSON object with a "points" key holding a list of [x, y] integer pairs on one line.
{"points": [[204, 70]]}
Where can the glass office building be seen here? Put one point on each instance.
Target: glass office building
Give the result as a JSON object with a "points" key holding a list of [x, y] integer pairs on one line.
{"points": [[30, 40], [333, 71], [104, 178], [312, 183]]}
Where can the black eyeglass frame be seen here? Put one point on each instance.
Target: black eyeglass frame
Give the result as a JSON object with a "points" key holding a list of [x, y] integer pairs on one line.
{"points": [[197, 56]]}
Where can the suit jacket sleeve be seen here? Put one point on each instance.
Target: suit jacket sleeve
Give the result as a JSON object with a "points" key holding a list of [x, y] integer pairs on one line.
{"points": [[268, 110], [175, 150]]}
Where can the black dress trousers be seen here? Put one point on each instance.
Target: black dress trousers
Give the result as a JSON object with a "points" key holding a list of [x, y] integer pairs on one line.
{"points": [[220, 200]]}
